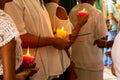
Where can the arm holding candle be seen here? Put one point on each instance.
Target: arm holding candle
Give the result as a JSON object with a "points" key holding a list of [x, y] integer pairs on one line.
{"points": [[82, 12], [32, 41], [80, 22]]}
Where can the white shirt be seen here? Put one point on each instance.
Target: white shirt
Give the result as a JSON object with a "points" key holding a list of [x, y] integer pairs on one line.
{"points": [[85, 54], [116, 55], [31, 18], [59, 23], [8, 31]]}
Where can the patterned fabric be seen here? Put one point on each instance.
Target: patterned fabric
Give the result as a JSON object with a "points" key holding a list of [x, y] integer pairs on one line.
{"points": [[8, 31]]}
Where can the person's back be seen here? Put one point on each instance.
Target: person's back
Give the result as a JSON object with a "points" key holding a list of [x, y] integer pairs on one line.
{"points": [[88, 57]]}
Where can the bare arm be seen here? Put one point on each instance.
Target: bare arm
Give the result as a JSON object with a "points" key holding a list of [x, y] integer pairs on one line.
{"points": [[81, 21], [8, 60], [34, 41], [113, 18], [104, 43]]}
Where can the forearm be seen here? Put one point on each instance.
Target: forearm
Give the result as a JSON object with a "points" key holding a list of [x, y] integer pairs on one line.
{"points": [[75, 32], [8, 60], [113, 18], [109, 43], [32, 41], [104, 43]]}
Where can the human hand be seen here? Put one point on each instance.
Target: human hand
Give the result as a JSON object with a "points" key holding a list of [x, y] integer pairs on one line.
{"points": [[22, 74], [108, 54], [26, 73], [100, 43], [61, 43]]}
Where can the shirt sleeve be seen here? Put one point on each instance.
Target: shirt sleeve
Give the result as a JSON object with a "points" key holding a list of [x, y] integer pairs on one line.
{"points": [[100, 28], [8, 30], [16, 12], [110, 8]]}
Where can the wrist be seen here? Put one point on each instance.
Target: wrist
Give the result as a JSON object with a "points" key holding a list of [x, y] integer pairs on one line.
{"points": [[106, 43]]}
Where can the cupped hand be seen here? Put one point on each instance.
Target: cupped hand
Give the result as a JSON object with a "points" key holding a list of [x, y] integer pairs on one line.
{"points": [[61, 43]]}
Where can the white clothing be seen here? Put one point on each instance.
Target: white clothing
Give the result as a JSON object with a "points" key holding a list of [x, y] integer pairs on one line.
{"points": [[89, 75], [8, 31], [116, 55], [86, 55], [31, 18], [58, 23]]}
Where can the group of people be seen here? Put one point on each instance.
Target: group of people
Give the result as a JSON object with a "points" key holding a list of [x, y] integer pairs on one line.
{"points": [[34, 23]]}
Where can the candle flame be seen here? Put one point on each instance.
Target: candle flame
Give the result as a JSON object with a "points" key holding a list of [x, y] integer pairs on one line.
{"points": [[28, 53], [84, 10], [62, 28]]}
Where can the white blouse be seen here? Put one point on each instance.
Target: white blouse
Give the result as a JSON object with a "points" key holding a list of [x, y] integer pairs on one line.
{"points": [[8, 31]]}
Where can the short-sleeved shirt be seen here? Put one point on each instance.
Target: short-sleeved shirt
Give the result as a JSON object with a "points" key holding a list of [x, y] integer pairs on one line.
{"points": [[8, 31], [59, 23], [84, 53], [112, 9], [31, 17]]}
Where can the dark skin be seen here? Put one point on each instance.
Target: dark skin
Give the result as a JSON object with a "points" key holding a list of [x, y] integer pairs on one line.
{"points": [[101, 43], [8, 57], [64, 16], [7, 53], [80, 22]]}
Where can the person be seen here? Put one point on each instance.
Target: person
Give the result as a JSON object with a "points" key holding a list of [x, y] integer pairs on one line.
{"points": [[35, 29], [59, 20], [11, 51], [86, 54], [10, 48], [115, 56], [107, 60], [114, 17]]}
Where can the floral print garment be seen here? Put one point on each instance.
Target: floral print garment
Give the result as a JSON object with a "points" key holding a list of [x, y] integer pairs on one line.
{"points": [[8, 31]]}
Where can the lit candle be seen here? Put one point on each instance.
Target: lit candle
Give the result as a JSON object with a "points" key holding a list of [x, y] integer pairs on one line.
{"points": [[61, 32], [27, 59], [82, 12]]}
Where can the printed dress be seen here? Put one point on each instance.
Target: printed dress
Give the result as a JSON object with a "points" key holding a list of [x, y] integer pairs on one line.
{"points": [[8, 31]]}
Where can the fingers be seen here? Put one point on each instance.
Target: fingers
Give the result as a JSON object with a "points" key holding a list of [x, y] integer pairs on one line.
{"points": [[26, 73], [32, 71], [61, 43]]}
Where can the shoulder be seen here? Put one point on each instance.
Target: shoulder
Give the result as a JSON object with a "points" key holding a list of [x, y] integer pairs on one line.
{"points": [[61, 13]]}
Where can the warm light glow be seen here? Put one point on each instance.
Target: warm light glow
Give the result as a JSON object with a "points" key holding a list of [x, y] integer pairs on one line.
{"points": [[84, 10], [62, 28], [27, 59], [28, 52], [61, 32]]}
